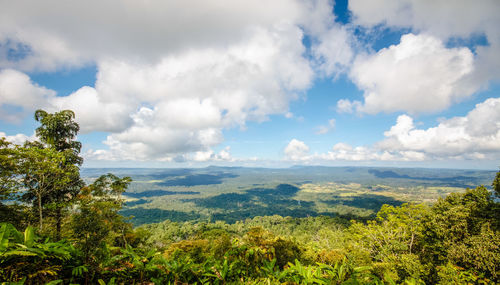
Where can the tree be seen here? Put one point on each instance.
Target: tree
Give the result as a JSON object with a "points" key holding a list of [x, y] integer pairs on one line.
{"points": [[393, 241], [58, 131], [460, 231], [7, 170], [9, 181], [496, 184], [42, 174], [97, 219]]}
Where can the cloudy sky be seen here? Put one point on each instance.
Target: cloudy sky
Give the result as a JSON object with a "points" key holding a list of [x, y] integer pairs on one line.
{"points": [[259, 83]]}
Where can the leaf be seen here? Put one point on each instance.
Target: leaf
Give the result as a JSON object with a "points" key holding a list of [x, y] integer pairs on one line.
{"points": [[6, 232], [29, 236], [362, 268], [20, 253], [21, 282], [4, 236], [54, 282], [78, 271]]}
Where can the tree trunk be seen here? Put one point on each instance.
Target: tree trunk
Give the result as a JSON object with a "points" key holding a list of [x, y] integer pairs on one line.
{"points": [[411, 242], [58, 223], [40, 210]]}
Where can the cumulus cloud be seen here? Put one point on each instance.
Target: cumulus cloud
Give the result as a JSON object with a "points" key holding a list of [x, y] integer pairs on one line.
{"points": [[466, 137], [321, 130], [474, 136], [347, 106], [297, 150], [442, 19], [192, 96], [210, 155], [144, 30], [34, 36], [172, 75], [18, 139], [150, 138], [333, 51], [345, 152], [418, 75], [92, 112], [248, 80], [18, 91]]}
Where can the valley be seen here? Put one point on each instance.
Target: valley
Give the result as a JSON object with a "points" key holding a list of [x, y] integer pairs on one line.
{"points": [[232, 194]]}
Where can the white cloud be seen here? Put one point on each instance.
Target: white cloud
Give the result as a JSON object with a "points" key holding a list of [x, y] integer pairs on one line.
{"points": [[297, 150], [484, 120], [149, 138], [442, 19], [18, 139], [476, 135], [210, 155], [321, 130], [330, 42], [59, 33], [17, 90], [191, 96], [172, 75], [347, 106], [418, 75], [333, 52], [54, 34], [92, 112], [345, 152]]}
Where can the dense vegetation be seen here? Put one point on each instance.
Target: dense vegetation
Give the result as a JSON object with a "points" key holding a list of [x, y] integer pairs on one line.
{"points": [[55, 228], [350, 192]]}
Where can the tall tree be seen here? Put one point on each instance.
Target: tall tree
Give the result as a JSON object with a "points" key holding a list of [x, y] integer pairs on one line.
{"points": [[42, 175], [496, 184], [59, 131], [9, 181], [97, 221]]}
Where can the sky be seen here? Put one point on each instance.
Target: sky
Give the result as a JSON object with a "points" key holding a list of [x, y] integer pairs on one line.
{"points": [[399, 83]]}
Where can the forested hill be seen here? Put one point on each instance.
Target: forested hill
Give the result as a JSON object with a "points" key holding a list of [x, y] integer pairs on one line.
{"points": [[454, 241], [59, 225], [231, 194]]}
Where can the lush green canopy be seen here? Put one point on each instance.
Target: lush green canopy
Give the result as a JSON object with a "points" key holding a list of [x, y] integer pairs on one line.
{"points": [[454, 241]]}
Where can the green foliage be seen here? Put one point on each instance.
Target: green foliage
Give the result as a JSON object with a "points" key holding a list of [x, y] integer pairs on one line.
{"points": [[496, 185], [58, 131], [97, 222], [8, 170], [454, 241], [43, 175], [232, 194], [46, 173], [10, 183], [26, 258]]}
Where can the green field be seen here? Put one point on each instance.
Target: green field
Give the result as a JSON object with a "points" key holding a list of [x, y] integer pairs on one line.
{"points": [[231, 194]]}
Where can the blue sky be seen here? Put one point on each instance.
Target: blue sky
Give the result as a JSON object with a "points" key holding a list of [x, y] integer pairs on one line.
{"points": [[195, 83]]}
